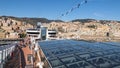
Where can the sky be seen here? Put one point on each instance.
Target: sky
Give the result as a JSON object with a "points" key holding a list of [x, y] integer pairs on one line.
{"points": [[52, 9]]}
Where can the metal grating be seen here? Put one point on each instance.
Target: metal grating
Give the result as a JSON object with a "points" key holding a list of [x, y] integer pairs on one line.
{"points": [[81, 54]]}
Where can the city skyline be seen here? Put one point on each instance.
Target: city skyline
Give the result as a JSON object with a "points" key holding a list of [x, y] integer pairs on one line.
{"points": [[52, 9]]}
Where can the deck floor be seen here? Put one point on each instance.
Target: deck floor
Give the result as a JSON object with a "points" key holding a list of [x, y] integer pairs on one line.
{"points": [[19, 58]]}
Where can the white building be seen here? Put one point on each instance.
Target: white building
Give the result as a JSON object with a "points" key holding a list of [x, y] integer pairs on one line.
{"points": [[42, 33], [51, 34], [36, 33]]}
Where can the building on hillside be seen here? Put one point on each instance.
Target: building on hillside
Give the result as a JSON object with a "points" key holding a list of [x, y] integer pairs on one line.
{"points": [[2, 35], [12, 35]]}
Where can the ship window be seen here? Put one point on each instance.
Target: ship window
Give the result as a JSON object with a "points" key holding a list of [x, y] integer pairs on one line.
{"points": [[0, 57], [107, 34], [33, 33], [29, 58]]}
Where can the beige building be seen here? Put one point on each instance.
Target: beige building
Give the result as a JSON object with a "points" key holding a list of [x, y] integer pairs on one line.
{"points": [[12, 35], [12, 27], [2, 35]]}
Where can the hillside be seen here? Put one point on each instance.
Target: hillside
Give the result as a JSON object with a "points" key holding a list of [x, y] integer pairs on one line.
{"points": [[33, 21], [88, 29], [91, 20]]}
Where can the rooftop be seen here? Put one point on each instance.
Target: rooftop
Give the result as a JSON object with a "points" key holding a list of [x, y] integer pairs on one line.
{"points": [[81, 54]]}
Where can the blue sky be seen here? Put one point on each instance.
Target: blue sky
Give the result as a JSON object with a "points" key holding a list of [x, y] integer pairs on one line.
{"points": [[52, 9]]}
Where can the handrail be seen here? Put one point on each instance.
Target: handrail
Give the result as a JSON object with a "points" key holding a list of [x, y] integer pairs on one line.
{"points": [[20, 57], [17, 39]]}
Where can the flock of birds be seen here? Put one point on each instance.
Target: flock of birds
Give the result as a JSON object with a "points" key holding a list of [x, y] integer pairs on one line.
{"points": [[73, 8]]}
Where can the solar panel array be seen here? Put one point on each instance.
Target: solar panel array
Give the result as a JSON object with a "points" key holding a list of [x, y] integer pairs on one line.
{"points": [[81, 54]]}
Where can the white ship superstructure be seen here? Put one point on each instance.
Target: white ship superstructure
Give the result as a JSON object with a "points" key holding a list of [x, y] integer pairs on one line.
{"points": [[36, 33]]}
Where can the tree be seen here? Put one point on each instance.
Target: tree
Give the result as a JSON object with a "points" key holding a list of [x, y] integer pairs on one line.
{"points": [[92, 26], [22, 35], [60, 29]]}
